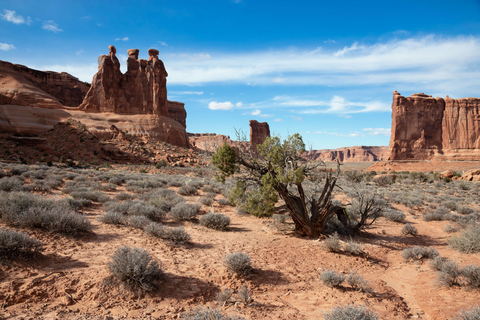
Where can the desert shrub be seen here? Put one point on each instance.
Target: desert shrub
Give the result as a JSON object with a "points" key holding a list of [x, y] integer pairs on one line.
{"points": [[439, 214], [187, 190], [409, 229], [468, 241], [95, 196], [16, 170], [384, 180], [138, 222], [205, 200], [449, 274], [332, 243], [208, 188], [224, 202], [17, 244], [184, 211], [393, 215], [245, 295], [357, 282], [450, 228], [11, 184], [207, 314], [465, 210], [174, 183], [215, 221], [353, 176], [124, 196], [240, 211], [352, 247], [163, 199], [331, 278], [450, 205], [135, 269], [224, 296], [111, 218], [76, 204], [179, 235], [140, 208], [472, 313], [471, 275], [238, 263], [419, 253], [157, 230], [108, 187], [116, 180], [350, 312], [26, 210], [438, 262]]}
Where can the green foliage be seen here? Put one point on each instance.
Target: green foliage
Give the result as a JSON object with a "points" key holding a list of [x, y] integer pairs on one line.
{"points": [[262, 202], [224, 161]]}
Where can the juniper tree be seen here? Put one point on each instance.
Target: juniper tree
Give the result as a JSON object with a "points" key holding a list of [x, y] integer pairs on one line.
{"points": [[277, 164]]}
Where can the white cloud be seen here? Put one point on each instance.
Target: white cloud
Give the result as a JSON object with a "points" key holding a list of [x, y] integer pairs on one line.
{"points": [[6, 46], [255, 112], [442, 63], [278, 120], [11, 16], [123, 39], [295, 118], [378, 131], [336, 134], [214, 105], [239, 104], [50, 25], [336, 105], [163, 43]]}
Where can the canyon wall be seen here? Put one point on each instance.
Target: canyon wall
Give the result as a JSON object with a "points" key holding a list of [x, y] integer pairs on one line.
{"points": [[349, 154], [425, 128]]}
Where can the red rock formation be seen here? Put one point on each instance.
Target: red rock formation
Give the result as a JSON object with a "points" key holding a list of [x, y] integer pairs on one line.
{"points": [[258, 132], [141, 90], [177, 112], [141, 110], [424, 128], [348, 154], [20, 85]]}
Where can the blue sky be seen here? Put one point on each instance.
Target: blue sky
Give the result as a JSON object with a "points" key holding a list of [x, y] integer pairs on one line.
{"points": [[325, 69]]}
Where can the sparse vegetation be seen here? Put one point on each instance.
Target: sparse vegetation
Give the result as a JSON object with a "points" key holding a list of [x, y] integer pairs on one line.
{"points": [[468, 241], [14, 244], [472, 313], [184, 211], [350, 312], [201, 313], [215, 221], [419, 253], [331, 278], [238, 263], [409, 229], [135, 269]]}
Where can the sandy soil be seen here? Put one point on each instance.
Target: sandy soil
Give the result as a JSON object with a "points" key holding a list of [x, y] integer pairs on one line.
{"points": [[67, 281]]}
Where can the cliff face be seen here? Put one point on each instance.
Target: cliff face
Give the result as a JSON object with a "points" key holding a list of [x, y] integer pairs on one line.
{"points": [[349, 154], [426, 128], [20, 85]]}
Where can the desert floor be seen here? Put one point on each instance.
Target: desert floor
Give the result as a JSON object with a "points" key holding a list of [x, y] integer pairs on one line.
{"points": [[67, 280]]}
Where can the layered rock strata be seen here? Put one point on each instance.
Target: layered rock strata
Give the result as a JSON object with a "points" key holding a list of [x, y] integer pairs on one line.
{"points": [[20, 85], [349, 154], [425, 128]]}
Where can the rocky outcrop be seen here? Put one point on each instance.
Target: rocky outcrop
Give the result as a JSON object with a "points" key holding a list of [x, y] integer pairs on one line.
{"points": [[348, 154], [141, 90], [135, 102], [426, 128], [20, 85], [258, 132], [177, 112]]}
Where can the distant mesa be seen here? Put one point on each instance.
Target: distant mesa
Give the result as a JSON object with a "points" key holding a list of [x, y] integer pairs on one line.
{"points": [[349, 154], [32, 101], [426, 128]]}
